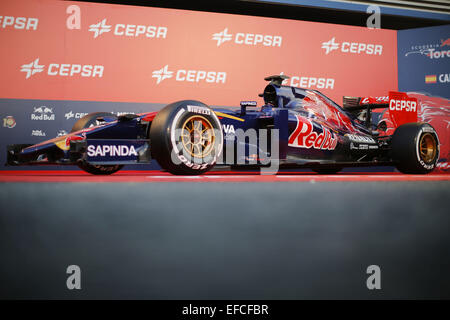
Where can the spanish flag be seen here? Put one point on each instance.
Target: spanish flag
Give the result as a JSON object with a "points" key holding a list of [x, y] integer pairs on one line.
{"points": [[430, 78]]}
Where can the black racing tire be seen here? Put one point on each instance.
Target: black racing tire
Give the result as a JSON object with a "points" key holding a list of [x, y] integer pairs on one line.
{"points": [[327, 170], [415, 148], [83, 123], [189, 153]]}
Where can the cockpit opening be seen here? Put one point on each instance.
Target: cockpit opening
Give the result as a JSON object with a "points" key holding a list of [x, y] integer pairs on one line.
{"points": [[270, 95]]}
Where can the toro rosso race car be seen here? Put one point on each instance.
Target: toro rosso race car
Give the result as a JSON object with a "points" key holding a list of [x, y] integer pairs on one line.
{"points": [[295, 127]]}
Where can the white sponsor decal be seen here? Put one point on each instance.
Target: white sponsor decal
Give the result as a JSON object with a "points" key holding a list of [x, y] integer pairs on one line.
{"points": [[309, 82], [403, 105], [70, 70], [189, 75], [443, 165], [38, 133], [249, 103], [360, 139], [63, 70], [228, 128], [32, 68], [20, 23], [378, 99], [432, 50], [119, 113], [162, 74], [99, 28], [128, 30], [42, 113], [352, 47], [111, 150], [444, 77], [250, 39], [222, 37], [61, 133], [437, 54], [428, 129], [77, 115], [198, 109]]}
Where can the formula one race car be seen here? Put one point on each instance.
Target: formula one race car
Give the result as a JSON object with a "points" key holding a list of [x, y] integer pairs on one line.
{"points": [[294, 127]]}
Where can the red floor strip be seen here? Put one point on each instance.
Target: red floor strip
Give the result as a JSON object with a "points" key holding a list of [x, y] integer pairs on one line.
{"points": [[214, 176]]}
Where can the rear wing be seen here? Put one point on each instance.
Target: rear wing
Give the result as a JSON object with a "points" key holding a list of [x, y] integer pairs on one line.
{"points": [[402, 108]]}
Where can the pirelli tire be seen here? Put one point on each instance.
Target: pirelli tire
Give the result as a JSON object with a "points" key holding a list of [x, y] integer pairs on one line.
{"points": [[186, 138], [415, 148], [86, 122]]}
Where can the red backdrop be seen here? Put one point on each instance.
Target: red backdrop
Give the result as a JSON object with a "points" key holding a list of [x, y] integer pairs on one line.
{"points": [[128, 44]]}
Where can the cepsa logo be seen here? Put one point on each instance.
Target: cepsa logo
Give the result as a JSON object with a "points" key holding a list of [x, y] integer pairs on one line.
{"points": [[63, 69], [309, 82], [352, 47], [189, 75], [128, 30], [249, 39], [76, 115], [19, 23], [403, 105], [304, 136]]}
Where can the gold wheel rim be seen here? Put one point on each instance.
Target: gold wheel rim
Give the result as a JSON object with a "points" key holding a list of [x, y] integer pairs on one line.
{"points": [[197, 136], [427, 148]]}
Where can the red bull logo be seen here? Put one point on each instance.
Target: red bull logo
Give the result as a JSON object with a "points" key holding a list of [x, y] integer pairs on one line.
{"points": [[445, 43], [304, 136]]}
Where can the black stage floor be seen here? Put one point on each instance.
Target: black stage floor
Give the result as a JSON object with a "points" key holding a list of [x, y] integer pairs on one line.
{"points": [[184, 240]]}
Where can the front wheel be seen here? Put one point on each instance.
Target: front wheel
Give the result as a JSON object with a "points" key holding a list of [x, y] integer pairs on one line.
{"points": [[415, 148], [186, 138], [87, 121]]}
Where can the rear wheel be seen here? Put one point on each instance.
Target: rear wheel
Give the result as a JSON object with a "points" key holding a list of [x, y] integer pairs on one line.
{"points": [[186, 138], [415, 148], [87, 121]]}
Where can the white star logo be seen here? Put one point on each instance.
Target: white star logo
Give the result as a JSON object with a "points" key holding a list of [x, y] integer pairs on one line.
{"points": [[99, 28], [32, 68], [330, 45], [222, 37], [162, 74], [69, 115]]}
